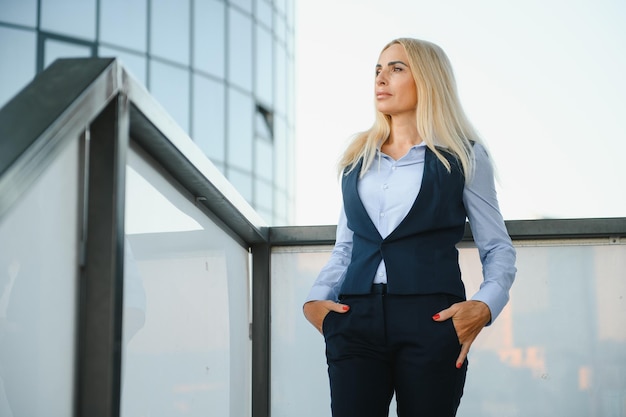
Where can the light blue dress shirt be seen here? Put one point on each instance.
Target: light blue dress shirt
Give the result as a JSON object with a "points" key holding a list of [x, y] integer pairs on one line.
{"points": [[388, 190]]}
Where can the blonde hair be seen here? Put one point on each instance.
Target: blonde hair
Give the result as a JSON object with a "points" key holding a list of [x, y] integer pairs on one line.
{"points": [[441, 121]]}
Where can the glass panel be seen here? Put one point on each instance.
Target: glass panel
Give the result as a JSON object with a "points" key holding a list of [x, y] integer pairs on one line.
{"points": [[19, 12], [243, 4], [124, 23], [559, 346], [280, 76], [242, 181], [280, 153], [280, 208], [240, 132], [263, 196], [264, 81], [240, 49], [264, 161], [57, 49], [280, 26], [186, 348], [170, 86], [209, 44], [169, 30], [134, 64], [72, 18], [209, 117], [280, 5], [19, 48], [264, 12], [38, 293]]}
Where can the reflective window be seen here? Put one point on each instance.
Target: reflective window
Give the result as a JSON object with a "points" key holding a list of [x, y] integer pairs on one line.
{"points": [[281, 203], [170, 86], [239, 49], [263, 124], [209, 117], [124, 23], [133, 63], [264, 82], [169, 30], [19, 48], [55, 49], [242, 181], [281, 5], [263, 196], [280, 74], [280, 153], [240, 133], [280, 28], [19, 12], [243, 4], [72, 17], [264, 12], [209, 44], [264, 159]]}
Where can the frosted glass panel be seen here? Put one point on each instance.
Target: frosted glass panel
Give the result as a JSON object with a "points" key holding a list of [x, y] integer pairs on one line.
{"points": [[186, 348], [38, 286], [558, 348]]}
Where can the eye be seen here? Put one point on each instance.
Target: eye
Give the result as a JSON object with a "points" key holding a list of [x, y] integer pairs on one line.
{"points": [[397, 69], [377, 71]]}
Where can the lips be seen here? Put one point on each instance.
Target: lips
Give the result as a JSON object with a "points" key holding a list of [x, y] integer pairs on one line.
{"points": [[382, 94]]}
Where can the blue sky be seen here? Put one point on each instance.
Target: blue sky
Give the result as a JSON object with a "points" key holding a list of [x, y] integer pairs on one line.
{"points": [[543, 82]]}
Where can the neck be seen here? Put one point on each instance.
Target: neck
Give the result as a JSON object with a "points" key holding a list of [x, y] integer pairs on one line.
{"points": [[403, 132]]}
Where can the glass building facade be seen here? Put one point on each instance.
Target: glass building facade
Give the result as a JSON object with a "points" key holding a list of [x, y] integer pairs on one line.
{"points": [[222, 69]]}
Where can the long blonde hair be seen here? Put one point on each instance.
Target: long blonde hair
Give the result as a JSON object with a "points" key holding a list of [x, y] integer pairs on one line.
{"points": [[441, 121]]}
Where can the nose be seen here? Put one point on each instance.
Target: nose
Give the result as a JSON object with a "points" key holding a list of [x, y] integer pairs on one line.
{"points": [[381, 79]]}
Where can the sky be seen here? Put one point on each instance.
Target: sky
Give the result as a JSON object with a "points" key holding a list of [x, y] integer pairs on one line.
{"points": [[544, 83]]}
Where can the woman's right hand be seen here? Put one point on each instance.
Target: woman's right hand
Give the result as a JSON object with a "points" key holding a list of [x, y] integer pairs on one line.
{"points": [[316, 311]]}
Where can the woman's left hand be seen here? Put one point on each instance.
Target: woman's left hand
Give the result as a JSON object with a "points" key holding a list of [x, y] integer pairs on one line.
{"points": [[469, 318]]}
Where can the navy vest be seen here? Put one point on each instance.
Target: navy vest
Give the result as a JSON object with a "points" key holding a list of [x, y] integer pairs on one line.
{"points": [[420, 254]]}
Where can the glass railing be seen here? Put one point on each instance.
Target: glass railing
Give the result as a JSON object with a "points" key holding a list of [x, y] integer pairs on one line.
{"points": [[135, 281]]}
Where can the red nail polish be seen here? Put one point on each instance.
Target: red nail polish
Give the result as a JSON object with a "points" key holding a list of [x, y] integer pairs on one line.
{"points": [[346, 308], [436, 316], [458, 365]]}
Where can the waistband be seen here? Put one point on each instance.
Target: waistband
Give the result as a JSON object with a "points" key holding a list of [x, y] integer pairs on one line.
{"points": [[379, 288]]}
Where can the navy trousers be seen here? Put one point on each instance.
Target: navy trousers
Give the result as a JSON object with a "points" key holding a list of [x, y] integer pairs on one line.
{"points": [[388, 344]]}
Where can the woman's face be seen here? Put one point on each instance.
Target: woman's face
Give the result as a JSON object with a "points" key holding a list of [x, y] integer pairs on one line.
{"points": [[395, 89]]}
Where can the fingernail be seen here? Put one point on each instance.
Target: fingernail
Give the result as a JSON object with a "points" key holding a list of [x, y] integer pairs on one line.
{"points": [[345, 308], [436, 316], [458, 365]]}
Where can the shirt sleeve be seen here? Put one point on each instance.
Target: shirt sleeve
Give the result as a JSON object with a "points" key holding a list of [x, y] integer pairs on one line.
{"points": [[495, 248], [328, 282]]}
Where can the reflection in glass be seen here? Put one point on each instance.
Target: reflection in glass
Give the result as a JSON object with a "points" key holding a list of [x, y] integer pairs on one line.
{"points": [[209, 117], [558, 348], [55, 49], [133, 63], [169, 30], [17, 47], [208, 46], [38, 293], [81, 14], [170, 86], [264, 12], [281, 153], [280, 69], [246, 5], [22, 12], [186, 348], [240, 132], [239, 49], [264, 159], [124, 23], [264, 81], [242, 181], [264, 196]]}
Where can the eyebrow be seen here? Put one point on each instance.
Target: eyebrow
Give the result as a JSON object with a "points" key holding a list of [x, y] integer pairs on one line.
{"points": [[391, 63]]}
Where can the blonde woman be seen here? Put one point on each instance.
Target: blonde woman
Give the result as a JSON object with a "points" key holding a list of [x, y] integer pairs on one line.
{"points": [[390, 301]]}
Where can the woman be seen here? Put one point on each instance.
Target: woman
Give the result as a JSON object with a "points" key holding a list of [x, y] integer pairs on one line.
{"points": [[390, 301]]}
